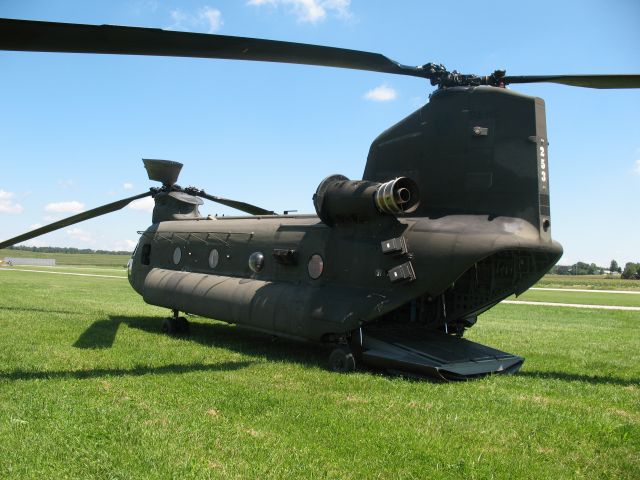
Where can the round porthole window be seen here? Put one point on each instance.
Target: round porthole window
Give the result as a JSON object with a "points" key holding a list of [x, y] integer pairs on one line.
{"points": [[177, 255], [214, 258], [315, 266], [256, 261]]}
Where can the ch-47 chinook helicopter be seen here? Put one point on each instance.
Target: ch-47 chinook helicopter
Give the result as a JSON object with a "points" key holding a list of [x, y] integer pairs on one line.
{"points": [[451, 216]]}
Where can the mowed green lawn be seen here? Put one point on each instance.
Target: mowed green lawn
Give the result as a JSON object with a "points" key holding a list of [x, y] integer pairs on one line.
{"points": [[94, 259], [74, 270], [90, 388], [584, 298], [594, 282]]}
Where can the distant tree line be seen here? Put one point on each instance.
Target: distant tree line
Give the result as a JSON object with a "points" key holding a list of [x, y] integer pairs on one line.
{"points": [[579, 268], [68, 250], [631, 270]]}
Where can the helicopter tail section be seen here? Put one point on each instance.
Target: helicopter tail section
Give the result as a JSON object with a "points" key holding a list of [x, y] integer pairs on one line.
{"points": [[432, 353], [472, 150]]}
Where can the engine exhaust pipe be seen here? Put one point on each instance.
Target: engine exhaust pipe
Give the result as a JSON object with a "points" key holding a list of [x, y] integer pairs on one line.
{"points": [[339, 200], [397, 196]]}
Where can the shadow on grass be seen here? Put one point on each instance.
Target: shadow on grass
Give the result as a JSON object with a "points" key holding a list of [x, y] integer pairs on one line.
{"points": [[41, 310], [121, 372], [575, 377], [101, 334]]}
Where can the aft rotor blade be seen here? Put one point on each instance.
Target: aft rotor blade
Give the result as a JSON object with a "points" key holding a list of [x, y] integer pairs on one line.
{"points": [[242, 206], [34, 36], [588, 81], [80, 217]]}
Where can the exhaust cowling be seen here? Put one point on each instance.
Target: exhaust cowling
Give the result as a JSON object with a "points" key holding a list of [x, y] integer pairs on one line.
{"points": [[339, 200]]}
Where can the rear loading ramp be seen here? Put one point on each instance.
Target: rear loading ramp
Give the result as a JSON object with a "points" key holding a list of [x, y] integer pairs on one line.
{"points": [[432, 353]]}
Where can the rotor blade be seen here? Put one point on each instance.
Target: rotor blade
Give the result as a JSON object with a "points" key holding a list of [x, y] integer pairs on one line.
{"points": [[28, 35], [588, 81], [80, 217], [242, 206]]}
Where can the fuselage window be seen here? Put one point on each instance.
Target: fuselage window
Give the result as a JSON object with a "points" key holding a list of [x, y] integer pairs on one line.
{"points": [[177, 255], [214, 257]]}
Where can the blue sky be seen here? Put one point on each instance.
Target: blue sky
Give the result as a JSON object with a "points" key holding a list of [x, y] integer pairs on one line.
{"points": [[74, 127]]}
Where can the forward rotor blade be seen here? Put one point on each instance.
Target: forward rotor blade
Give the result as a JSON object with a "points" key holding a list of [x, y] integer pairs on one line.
{"points": [[80, 217], [27, 35], [242, 206], [588, 81]]}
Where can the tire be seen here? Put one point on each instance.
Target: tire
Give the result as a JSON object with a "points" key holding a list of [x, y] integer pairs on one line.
{"points": [[169, 326], [183, 325], [342, 360]]}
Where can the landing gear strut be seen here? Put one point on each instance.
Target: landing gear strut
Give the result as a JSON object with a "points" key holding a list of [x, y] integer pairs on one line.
{"points": [[175, 325]]}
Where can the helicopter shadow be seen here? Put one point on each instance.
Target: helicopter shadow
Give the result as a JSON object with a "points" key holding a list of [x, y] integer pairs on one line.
{"points": [[102, 333], [122, 372], [40, 310]]}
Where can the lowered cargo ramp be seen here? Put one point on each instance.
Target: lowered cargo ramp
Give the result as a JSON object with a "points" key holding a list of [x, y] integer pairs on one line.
{"points": [[431, 353]]}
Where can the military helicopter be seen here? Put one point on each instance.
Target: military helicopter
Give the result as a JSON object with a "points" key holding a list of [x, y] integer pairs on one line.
{"points": [[451, 216]]}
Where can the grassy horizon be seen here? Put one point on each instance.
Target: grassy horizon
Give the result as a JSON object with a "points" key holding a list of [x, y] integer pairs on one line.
{"points": [[89, 259]]}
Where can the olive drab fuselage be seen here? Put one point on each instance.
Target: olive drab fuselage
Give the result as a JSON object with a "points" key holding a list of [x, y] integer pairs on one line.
{"points": [[481, 232]]}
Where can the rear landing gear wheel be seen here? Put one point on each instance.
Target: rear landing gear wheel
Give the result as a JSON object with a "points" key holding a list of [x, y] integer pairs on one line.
{"points": [[169, 326], [183, 325], [341, 360], [175, 325]]}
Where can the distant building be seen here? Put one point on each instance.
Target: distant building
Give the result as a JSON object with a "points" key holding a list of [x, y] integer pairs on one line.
{"points": [[41, 262]]}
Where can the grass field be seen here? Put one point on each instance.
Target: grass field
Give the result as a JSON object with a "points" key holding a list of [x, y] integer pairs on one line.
{"points": [[75, 270], [595, 282], [90, 388], [595, 298], [94, 259]]}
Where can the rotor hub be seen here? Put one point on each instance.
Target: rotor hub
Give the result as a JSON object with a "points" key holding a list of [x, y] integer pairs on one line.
{"points": [[439, 76]]}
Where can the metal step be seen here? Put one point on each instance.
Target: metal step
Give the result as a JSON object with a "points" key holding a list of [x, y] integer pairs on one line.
{"points": [[427, 352]]}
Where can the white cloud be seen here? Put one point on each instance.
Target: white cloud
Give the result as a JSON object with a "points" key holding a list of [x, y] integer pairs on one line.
{"points": [[207, 18], [145, 204], [35, 225], [383, 93], [309, 11], [124, 245], [213, 17], [65, 207], [7, 205], [79, 234], [127, 185], [637, 167]]}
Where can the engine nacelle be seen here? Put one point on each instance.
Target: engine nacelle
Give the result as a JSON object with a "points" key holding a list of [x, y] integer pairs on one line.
{"points": [[340, 200]]}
